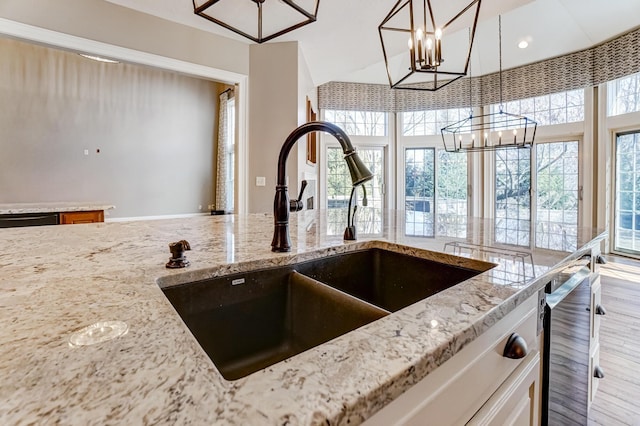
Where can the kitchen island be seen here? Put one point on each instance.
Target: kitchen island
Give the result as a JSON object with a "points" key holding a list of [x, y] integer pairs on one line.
{"points": [[38, 214], [62, 207], [56, 280]]}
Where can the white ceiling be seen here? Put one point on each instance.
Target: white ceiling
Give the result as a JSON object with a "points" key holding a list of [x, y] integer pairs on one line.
{"points": [[344, 45]]}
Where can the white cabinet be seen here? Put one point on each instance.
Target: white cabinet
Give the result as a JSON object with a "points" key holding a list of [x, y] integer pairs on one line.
{"points": [[516, 400], [468, 382]]}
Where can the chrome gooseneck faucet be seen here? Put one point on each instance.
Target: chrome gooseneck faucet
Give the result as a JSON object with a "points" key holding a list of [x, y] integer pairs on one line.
{"points": [[359, 174]]}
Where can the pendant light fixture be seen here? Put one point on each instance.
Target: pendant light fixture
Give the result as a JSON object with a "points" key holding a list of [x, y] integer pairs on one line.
{"points": [[489, 132], [258, 20], [424, 49]]}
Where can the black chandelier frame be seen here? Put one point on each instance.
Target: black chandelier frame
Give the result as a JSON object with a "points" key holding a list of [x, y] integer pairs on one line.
{"points": [[307, 17], [416, 67]]}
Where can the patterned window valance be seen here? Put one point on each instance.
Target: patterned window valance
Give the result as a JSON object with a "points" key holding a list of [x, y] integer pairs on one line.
{"points": [[615, 58]]}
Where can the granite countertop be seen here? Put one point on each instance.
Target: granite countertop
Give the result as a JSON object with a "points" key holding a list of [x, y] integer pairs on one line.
{"points": [[55, 280], [18, 208]]}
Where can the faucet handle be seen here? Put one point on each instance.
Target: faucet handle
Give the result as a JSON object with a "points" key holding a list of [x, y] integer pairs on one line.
{"points": [[178, 259], [296, 205]]}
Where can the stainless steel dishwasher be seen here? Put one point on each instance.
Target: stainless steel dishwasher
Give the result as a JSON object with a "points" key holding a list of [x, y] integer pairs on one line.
{"points": [[565, 380]]}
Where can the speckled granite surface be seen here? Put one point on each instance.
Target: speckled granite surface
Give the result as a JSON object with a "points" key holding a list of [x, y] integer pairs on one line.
{"points": [[16, 208], [55, 280]]}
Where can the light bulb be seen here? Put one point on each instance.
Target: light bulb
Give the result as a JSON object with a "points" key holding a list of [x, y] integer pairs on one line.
{"points": [[410, 43], [419, 34], [438, 33], [429, 43]]}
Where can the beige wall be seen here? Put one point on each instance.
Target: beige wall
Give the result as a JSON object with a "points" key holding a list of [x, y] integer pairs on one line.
{"points": [[112, 24], [306, 89], [277, 86], [273, 114], [154, 130]]}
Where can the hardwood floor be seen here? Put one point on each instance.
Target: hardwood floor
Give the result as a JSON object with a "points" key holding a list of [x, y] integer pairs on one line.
{"points": [[618, 399]]}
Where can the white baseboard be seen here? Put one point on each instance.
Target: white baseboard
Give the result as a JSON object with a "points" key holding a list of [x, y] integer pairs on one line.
{"points": [[169, 216]]}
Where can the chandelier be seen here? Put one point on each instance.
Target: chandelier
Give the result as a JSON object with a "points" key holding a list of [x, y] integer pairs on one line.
{"points": [[258, 20], [489, 132], [425, 50]]}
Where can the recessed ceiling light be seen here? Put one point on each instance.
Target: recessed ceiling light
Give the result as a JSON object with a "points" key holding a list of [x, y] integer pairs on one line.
{"points": [[98, 58], [523, 44]]}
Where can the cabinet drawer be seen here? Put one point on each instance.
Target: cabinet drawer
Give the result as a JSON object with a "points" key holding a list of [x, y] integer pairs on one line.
{"points": [[516, 401], [81, 217], [456, 390]]}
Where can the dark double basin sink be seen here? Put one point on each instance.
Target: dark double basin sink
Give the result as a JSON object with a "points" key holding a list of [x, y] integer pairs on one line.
{"points": [[248, 321]]}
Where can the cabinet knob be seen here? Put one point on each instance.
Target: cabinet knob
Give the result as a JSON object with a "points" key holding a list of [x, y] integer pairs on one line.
{"points": [[598, 373], [516, 347], [600, 310]]}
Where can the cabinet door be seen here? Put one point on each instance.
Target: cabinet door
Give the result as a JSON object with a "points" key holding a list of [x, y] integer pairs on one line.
{"points": [[68, 218], [516, 402]]}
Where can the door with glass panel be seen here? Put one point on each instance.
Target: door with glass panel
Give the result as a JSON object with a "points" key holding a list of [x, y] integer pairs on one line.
{"points": [[368, 218], [513, 196], [626, 238], [419, 191], [557, 195], [557, 190], [451, 193], [435, 192]]}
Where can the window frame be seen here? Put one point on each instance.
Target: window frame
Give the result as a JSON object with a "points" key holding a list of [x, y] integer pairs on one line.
{"points": [[614, 190], [360, 142]]}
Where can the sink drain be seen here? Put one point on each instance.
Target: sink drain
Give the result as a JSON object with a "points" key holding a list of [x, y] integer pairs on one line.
{"points": [[97, 333]]}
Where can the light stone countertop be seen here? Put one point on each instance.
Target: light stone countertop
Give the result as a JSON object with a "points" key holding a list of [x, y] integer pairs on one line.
{"points": [[77, 206], [55, 280]]}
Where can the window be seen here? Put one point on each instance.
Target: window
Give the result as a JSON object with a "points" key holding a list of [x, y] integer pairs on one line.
{"points": [[427, 203], [627, 193], [512, 199], [368, 219], [368, 132], [425, 123], [557, 188], [623, 95], [556, 108], [419, 191], [359, 123], [451, 193], [557, 193]]}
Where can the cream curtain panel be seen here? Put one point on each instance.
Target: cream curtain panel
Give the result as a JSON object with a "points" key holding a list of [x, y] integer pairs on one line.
{"points": [[222, 155]]}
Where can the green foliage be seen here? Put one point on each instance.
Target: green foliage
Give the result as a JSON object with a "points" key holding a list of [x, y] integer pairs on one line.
{"points": [[452, 175]]}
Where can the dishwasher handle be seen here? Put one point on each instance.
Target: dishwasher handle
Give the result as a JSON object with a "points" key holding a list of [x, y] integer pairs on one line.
{"points": [[567, 287]]}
